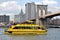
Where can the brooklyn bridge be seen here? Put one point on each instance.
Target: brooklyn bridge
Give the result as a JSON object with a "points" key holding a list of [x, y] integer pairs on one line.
{"points": [[44, 17]]}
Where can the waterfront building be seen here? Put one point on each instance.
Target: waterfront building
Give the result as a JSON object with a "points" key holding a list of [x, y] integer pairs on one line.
{"points": [[4, 19], [16, 18], [20, 17], [30, 10]]}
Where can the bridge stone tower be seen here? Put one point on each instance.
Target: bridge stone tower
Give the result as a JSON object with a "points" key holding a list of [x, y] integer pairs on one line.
{"points": [[41, 11]]}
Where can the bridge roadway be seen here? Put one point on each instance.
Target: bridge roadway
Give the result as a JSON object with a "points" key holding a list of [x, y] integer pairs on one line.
{"points": [[50, 15], [44, 18]]}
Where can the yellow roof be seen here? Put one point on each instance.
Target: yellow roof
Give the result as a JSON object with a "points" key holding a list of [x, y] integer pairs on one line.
{"points": [[26, 25]]}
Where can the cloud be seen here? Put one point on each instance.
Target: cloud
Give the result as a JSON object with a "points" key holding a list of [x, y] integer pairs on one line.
{"points": [[13, 7], [53, 9], [37, 3], [51, 5], [49, 2], [9, 6]]}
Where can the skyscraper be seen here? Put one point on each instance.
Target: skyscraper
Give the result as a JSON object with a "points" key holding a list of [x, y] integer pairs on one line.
{"points": [[30, 10], [16, 18], [20, 17], [4, 19]]}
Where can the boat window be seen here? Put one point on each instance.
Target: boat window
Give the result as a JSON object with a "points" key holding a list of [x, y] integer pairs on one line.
{"points": [[42, 28], [26, 28], [15, 28], [22, 28], [36, 27]]}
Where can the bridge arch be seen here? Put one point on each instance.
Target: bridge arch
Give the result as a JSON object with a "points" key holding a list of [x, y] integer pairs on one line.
{"points": [[43, 11], [49, 17]]}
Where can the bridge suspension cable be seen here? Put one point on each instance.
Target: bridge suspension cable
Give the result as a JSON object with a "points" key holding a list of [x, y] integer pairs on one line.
{"points": [[55, 8]]}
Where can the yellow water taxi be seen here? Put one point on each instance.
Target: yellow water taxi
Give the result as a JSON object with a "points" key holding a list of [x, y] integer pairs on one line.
{"points": [[25, 29]]}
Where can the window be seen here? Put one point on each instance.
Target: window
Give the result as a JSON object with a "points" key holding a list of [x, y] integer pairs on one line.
{"points": [[36, 28], [22, 28], [26, 28], [15, 28]]}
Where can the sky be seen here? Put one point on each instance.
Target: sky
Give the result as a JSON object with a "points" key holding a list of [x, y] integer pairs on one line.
{"points": [[13, 7]]}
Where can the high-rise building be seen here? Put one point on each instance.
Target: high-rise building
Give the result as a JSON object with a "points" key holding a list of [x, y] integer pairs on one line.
{"points": [[4, 19], [16, 18], [20, 17], [30, 10]]}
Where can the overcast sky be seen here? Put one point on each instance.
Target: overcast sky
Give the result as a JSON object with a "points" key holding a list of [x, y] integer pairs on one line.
{"points": [[12, 7]]}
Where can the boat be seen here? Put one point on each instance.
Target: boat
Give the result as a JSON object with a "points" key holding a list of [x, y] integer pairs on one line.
{"points": [[25, 29]]}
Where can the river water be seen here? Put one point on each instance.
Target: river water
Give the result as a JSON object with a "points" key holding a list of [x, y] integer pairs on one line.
{"points": [[52, 34]]}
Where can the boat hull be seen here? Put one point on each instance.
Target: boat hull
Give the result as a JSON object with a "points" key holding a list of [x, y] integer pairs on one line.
{"points": [[26, 32]]}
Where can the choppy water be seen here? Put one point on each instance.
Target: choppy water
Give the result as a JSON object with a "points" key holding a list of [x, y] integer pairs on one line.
{"points": [[52, 34]]}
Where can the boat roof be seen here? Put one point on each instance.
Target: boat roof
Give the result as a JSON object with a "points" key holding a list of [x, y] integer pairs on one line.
{"points": [[27, 25]]}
